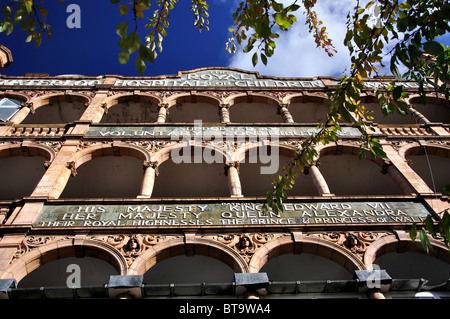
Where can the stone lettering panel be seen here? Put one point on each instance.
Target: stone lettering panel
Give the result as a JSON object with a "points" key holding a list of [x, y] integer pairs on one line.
{"points": [[205, 131], [230, 213]]}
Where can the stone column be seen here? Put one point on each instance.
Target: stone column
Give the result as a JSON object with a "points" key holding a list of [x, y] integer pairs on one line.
{"points": [[96, 109], [162, 114], [283, 110], [402, 174], [224, 113], [151, 171], [319, 182], [22, 113], [234, 182]]}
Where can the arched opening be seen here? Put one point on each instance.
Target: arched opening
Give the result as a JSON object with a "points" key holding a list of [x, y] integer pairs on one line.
{"points": [[304, 267], [255, 109], [414, 265], [19, 175], [432, 168], [190, 112], [346, 174], [195, 269], [106, 177], [256, 181], [190, 108], [61, 273], [132, 109], [435, 109], [60, 109], [371, 103], [184, 177], [310, 112]]}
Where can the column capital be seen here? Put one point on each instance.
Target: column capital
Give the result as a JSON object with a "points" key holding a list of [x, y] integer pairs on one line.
{"points": [[152, 164]]}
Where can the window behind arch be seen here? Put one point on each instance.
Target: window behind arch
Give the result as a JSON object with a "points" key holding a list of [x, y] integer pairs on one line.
{"points": [[8, 107]]}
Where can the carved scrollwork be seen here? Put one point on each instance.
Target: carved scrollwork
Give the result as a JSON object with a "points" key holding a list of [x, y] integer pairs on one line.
{"points": [[32, 242], [356, 242], [245, 244], [131, 246]]}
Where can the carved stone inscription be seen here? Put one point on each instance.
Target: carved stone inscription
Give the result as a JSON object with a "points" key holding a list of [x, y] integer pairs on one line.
{"points": [[229, 213], [209, 131]]}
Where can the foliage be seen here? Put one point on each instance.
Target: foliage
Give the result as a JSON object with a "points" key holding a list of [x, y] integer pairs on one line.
{"points": [[403, 32]]}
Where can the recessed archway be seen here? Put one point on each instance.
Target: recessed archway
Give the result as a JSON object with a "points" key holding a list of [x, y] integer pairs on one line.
{"points": [[106, 177], [56, 109], [414, 265], [304, 267], [263, 164], [192, 172], [346, 174], [189, 269], [61, 273], [21, 169], [435, 109], [136, 108], [431, 164]]}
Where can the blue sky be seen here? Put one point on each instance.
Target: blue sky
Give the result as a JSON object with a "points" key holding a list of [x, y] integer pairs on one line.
{"points": [[92, 49]]}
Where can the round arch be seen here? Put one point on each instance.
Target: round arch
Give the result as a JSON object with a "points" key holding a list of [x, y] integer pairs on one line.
{"points": [[22, 167], [119, 149], [120, 165], [189, 97], [55, 250], [178, 247], [435, 109], [202, 166], [402, 243], [134, 112], [22, 97], [252, 97], [53, 98], [395, 251], [429, 162], [188, 107], [344, 172], [30, 149], [311, 245]]}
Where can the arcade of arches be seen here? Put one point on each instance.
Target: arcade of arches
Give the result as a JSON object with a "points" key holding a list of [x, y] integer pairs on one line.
{"points": [[96, 149]]}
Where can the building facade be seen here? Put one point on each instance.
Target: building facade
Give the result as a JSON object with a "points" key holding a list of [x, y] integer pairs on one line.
{"points": [[153, 187]]}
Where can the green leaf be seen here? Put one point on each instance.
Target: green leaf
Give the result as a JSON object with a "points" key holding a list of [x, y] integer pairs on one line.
{"points": [[255, 59], [115, 1], [133, 42], [121, 29], [424, 240], [146, 54], [433, 48], [395, 71], [263, 59], [413, 232], [397, 92], [124, 56], [405, 6], [123, 9], [282, 20], [430, 225], [140, 65]]}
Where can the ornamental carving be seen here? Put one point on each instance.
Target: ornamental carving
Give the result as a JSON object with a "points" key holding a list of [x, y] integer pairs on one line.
{"points": [[131, 246], [245, 244], [32, 242], [355, 242]]}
